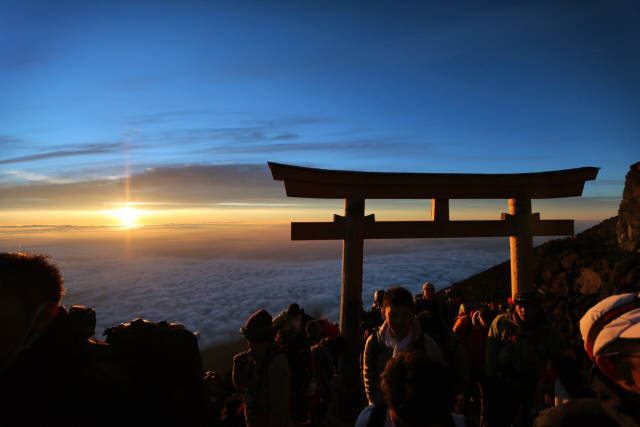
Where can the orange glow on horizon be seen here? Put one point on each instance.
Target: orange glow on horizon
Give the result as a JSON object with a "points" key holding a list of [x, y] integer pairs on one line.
{"points": [[130, 215]]}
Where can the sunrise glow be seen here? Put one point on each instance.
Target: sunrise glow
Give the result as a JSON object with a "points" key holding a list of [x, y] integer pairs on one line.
{"points": [[127, 216]]}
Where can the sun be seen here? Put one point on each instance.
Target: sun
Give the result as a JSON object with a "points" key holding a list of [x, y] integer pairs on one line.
{"points": [[127, 216]]}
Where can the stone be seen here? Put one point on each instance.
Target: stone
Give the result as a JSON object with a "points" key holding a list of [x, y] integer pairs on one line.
{"points": [[628, 226], [547, 274], [560, 285], [589, 282], [568, 260], [632, 277]]}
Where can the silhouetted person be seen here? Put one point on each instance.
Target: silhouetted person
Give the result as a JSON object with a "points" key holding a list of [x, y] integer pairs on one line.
{"points": [[373, 318], [318, 329], [611, 334], [292, 319], [400, 332], [315, 331], [262, 374], [325, 363], [48, 366], [417, 393], [453, 351], [520, 345], [428, 300]]}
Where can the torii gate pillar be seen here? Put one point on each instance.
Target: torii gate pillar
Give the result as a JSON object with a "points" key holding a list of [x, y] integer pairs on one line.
{"points": [[351, 306], [521, 247]]}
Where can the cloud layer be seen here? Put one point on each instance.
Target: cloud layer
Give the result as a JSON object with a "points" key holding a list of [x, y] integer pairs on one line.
{"points": [[216, 296]]}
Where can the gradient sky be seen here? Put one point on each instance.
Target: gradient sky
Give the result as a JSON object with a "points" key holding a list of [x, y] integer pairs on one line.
{"points": [[190, 99]]}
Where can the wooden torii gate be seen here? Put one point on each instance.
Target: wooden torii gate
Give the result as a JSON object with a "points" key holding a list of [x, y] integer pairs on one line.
{"points": [[520, 225]]}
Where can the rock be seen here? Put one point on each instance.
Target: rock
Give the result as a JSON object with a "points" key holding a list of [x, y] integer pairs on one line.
{"points": [[628, 226], [560, 285], [547, 274], [568, 260], [589, 282], [632, 278]]}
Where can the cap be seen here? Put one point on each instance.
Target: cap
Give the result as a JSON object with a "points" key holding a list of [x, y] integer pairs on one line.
{"points": [[258, 327], [617, 316], [428, 285], [524, 298]]}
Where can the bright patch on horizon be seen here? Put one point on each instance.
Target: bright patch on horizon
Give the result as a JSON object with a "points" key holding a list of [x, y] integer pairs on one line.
{"points": [[127, 216]]}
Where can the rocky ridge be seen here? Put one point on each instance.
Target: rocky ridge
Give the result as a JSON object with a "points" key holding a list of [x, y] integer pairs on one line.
{"points": [[573, 274]]}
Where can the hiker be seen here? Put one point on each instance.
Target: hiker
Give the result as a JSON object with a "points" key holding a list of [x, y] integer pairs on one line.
{"points": [[471, 330], [454, 355], [318, 329], [262, 374], [303, 383], [428, 300], [611, 334], [399, 332], [325, 363], [48, 364], [314, 331], [462, 324], [417, 393], [520, 345], [373, 318], [293, 318]]}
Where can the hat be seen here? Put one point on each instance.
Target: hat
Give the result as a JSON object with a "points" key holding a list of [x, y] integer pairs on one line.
{"points": [[428, 285], [617, 316], [258, 327], [524, 298]]}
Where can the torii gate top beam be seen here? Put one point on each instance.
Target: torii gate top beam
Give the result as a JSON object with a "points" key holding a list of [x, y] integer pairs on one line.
{"points": [[336, 184]]}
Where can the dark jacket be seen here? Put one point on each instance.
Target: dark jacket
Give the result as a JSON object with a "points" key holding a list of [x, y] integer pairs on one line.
{"points": [[62, 373], [519, 353]]}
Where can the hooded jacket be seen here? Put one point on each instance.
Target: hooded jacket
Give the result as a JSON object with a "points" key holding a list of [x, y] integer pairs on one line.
{"points": [[377, 353]]}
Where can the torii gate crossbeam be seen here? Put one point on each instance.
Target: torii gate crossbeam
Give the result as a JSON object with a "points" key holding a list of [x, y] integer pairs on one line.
{"points": [[520, 225]]}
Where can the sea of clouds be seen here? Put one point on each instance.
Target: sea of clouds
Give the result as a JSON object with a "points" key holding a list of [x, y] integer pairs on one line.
{"points": [[215, 297], [215, 294]]}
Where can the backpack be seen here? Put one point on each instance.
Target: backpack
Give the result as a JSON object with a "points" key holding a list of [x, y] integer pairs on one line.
{"points": [[162, 361]]}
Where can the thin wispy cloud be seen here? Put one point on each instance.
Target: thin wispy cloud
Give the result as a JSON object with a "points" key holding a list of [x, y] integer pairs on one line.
{"points": [[9, 139], [35, 177], [164, 117], [188, 186], [89, 149]]}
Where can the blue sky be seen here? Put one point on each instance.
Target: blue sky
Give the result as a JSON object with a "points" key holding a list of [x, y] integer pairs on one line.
{"points": [[183, 91]]}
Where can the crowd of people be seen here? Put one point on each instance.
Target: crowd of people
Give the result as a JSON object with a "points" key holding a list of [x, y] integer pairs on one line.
{"points": [[429, 360]]}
